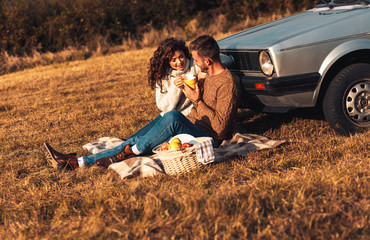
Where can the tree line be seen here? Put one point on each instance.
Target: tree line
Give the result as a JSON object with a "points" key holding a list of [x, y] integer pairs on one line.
{"points": [[53, 25]]}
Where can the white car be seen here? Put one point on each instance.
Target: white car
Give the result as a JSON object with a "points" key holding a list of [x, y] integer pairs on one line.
{"points": [[317, 57]]}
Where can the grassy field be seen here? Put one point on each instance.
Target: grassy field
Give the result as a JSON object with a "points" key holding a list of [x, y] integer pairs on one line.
{"points": [[316, 186]]}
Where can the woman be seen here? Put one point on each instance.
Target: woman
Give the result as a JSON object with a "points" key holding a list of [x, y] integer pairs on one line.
{"points": [[170, 61]]}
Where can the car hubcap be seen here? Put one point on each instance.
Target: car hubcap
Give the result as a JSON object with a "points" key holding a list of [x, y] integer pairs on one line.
{"points": [[357, 102]]}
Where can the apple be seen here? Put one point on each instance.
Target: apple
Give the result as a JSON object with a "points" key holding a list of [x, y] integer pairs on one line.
{"points": [[175, 140], [175, 146], [186, 145], [165, 146]]}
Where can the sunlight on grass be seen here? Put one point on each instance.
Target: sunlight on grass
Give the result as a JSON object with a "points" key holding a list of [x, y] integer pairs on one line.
{"points": [[313, 187]]}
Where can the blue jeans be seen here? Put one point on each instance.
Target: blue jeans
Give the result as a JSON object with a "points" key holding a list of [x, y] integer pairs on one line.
{"points": [[155, 133]]}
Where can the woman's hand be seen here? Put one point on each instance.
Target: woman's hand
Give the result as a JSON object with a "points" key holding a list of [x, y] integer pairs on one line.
{"points": [[179, 83]]}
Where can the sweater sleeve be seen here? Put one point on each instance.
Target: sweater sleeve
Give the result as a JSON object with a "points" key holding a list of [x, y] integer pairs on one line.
{"points": [[218, 119], [168, 99], [220, 116]]}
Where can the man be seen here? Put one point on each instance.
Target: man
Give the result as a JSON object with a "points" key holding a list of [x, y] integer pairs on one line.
{"points": [[215, 101]]}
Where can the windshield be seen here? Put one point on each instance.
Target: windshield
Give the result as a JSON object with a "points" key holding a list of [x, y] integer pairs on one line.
{"points": [[335, 3]]}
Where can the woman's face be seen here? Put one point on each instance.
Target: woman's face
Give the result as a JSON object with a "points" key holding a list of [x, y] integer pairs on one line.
{"points": [[177, 61]]}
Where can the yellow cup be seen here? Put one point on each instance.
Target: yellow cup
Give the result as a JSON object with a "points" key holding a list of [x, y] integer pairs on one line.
{"points": [[190, 80]]}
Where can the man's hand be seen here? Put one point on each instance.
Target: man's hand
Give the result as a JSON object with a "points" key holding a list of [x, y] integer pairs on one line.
{"points": [[192, 94], [179, 82]]}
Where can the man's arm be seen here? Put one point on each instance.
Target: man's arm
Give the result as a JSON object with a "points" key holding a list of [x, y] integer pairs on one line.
{"points": [[218, 117], [221, 117]]}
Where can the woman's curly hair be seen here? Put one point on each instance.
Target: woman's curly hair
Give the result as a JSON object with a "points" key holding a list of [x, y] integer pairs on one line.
{"points": [[160, 62]]}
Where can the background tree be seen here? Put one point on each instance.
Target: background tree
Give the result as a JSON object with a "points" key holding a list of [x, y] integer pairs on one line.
{"points": [[52, 25]]}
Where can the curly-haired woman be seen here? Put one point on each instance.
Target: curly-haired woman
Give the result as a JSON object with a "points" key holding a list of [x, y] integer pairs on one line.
{"points": [[169, 62]]}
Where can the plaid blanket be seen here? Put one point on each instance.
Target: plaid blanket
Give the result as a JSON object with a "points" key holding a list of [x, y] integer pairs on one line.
{"points": [[239, 145]]}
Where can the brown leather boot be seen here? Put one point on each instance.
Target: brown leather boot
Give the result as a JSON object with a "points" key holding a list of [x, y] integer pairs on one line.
{"points": [[59, 160], [126, 153]]}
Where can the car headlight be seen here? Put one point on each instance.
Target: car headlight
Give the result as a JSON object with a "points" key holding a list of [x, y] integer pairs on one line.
{"points": [[266, 64]]}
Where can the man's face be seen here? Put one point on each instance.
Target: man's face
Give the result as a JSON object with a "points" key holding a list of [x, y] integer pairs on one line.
{"points": [[200, 61]]}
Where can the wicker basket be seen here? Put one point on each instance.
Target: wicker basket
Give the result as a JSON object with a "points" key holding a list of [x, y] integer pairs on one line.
{"points": [[175, 162], [182, 161]]}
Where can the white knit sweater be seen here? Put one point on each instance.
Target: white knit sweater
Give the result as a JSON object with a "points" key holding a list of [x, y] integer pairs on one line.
{"points": [[172, 97]]}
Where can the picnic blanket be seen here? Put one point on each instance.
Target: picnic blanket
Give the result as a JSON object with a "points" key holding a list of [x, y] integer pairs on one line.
{"points": [[146, 166]]}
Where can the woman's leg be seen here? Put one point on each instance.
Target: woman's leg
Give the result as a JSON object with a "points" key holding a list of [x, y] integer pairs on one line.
{"points": [[146, 128], [91, 159], [171, 124]]}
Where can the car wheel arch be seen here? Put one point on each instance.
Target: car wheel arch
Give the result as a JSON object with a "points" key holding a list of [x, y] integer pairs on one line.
{"points": [[339, 58]]}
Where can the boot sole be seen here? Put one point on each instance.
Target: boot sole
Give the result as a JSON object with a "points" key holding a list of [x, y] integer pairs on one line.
{"points": [[49, 157]]}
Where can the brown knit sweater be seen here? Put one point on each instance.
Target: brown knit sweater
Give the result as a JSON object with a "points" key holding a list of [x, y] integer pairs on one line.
{"points": [[217, 110]]}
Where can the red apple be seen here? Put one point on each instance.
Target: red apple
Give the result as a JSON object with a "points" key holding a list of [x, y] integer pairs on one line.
{"points": [[186, 145], [165, 146]]}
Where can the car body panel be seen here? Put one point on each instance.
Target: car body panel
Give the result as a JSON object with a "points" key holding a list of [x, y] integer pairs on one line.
{"points": [[338, 52], [306, 43]]}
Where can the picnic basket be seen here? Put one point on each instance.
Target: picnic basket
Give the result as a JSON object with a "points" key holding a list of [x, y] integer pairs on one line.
{"points": [[176, 162]]}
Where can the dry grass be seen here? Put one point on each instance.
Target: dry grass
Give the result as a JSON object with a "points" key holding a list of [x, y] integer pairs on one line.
{"points": [[314, 187]]}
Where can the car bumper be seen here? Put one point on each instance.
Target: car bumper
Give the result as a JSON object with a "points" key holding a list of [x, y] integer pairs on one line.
{"points": [[280, 86]]}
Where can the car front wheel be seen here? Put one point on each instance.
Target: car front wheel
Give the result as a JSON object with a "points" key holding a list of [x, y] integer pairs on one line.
{"points": [[346, 103]]}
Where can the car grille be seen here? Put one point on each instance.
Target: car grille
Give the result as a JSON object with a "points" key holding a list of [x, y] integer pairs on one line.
{"points": [[244, 61]]}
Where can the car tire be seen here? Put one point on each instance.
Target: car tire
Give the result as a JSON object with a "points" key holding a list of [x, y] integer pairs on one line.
{"points": [[346, 102]]}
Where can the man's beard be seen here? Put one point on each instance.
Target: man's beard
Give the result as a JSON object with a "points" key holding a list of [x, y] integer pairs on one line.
{"points": [[204, 69]]}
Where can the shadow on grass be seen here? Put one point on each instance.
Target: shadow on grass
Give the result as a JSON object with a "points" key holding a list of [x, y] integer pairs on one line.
{"points": [[257, 122], [5, 108]]}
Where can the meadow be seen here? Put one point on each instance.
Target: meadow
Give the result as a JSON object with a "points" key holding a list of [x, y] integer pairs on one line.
{"points": [[315, 186]]}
